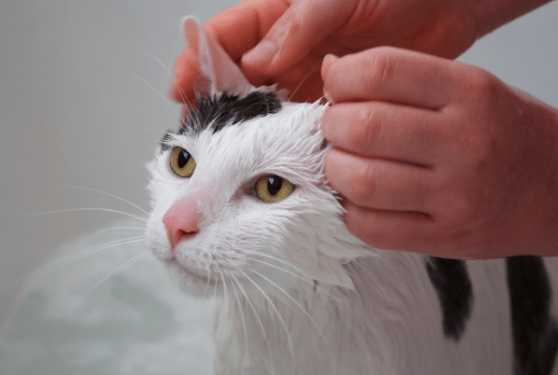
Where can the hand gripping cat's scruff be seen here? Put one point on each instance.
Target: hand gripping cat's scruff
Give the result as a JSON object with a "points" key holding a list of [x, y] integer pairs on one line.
{"points": [[241, 211]]}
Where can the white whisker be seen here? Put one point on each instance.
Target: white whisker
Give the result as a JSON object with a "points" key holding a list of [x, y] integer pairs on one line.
{"points": [[105, 193], [260, 323], [303, 310], [225, 298], [283, 269], [187, 101], [251, 306], [215, 293], [274, 258], [309, 281], [114, 272], [45, 270], [289, 339], [301, 82], [165, 68], [90, 251], [68, 210], [379, 285], [243, 318], [154, 90]]}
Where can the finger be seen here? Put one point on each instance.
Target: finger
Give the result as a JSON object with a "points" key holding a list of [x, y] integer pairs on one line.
{"points": [[390, 230], [380, 184], [386, 130], [239, 28], [304, 25], [186, 73], [303, 81], [408, 231], [394, 75]]}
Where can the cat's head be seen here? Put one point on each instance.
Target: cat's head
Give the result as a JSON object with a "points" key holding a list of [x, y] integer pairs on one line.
{"points": [[239, 197]]}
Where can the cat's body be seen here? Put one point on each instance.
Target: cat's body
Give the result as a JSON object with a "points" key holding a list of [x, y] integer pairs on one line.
{"points": [[342, 307], [393, 324], [242, 211]]}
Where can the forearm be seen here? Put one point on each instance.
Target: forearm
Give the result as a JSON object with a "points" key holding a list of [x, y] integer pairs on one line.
{"points": [[491, 14]]}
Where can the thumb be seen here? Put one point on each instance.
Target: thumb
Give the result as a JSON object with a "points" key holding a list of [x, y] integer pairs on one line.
{"points": [[304, 25], [186, 73]]}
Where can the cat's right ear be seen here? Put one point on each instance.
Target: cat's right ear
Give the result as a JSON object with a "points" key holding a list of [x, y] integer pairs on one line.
{"points": [[217, 71]]}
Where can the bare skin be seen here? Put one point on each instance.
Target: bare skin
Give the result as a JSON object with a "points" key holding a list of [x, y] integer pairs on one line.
{"points": [[433, 156]]}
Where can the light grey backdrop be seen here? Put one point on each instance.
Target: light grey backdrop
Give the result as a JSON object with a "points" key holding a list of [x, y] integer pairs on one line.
{"points": [[82, 102]]}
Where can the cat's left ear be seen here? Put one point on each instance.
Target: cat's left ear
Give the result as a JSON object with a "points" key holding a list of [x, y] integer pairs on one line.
{"points": [[218, 71]]}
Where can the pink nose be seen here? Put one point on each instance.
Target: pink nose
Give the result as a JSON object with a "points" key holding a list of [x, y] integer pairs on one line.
{"points": [[181, 220]]}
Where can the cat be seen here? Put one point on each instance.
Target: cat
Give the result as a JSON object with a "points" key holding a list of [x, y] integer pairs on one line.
{"points": [[241, 210]]}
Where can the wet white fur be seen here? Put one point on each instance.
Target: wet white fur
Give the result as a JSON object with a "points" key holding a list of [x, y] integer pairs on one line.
{"points": [[350, 309]]}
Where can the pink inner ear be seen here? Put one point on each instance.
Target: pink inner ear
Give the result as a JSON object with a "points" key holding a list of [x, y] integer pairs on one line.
{"points": [[218, 70]]}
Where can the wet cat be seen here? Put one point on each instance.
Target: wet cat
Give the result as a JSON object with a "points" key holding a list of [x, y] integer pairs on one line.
{"points": [[241, 210]]}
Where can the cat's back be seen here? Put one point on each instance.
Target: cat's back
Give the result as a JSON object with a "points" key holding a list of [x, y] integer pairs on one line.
{"points": [[464, 317]]}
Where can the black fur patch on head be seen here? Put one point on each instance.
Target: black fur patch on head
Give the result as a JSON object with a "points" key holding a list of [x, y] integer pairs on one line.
{"points": [[224, 110], [164, 141], [455, 292], [534, 330]]}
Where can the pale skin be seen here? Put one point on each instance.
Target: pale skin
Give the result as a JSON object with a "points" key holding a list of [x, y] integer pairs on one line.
{"points": [[432, 155]]}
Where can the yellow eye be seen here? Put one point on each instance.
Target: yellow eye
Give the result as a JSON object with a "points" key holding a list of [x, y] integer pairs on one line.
{"points": [[182, 163], [273, 188]]}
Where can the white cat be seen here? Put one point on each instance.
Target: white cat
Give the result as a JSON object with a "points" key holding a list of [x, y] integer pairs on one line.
{"points": [[241, 210]]}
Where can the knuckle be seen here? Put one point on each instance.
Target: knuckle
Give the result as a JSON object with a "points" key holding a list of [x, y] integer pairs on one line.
{"points": [[371, 128], [484, 84], [475, 151], [366, 130], [458, 208], [363, 184], [379, 68]]}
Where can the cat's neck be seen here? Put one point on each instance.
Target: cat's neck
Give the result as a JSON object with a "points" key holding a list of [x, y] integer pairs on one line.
{"points": [[365, 317]]}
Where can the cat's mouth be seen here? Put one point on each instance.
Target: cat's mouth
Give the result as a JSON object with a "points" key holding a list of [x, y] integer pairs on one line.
{"points": [[191, 274]]}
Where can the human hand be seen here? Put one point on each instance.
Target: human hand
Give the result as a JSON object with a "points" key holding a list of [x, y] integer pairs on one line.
{"points": [[302, 32], [440, 157]]}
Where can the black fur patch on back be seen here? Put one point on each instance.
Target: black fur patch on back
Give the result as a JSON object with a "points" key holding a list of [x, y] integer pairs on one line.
{"points": [[534, 330], [218, 112], [455, 292]]}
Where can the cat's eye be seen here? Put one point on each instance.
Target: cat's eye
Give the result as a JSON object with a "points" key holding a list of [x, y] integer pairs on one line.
{"points": [[272, 188], [182, 163]]}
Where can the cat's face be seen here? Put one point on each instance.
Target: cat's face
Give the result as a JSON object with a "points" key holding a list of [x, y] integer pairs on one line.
{"points": [[240, 235]]}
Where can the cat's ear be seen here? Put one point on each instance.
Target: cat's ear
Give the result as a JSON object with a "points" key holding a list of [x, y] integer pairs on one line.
{"points": [[218, 71]]}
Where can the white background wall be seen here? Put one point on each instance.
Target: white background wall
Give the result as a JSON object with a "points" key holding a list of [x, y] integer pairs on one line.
{"points": [[74, 112]]}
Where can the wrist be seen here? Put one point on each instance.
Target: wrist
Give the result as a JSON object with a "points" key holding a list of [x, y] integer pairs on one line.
{"points": [[549, 245]]}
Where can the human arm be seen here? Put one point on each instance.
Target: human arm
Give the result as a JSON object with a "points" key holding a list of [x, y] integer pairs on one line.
{"points": [[303, 32]]}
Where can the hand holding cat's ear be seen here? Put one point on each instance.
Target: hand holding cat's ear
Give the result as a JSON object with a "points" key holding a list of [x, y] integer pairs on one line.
{"points": [[236, 30], [285, 41], [211, 70], [440, 157]]}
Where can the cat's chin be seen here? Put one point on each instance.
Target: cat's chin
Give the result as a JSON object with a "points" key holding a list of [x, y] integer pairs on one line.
{"points": [[191, 282]]}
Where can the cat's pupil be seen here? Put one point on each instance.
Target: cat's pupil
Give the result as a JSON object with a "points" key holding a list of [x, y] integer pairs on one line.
{"points": [[183, 158], [274, 184]]}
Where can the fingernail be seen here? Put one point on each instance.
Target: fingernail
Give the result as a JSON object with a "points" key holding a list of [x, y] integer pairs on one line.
{"points": [[262, 54], [328, 97], [328, 61]]}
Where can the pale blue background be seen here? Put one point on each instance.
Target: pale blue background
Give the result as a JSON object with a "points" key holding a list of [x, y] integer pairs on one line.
{"points": [[82, 102]]}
